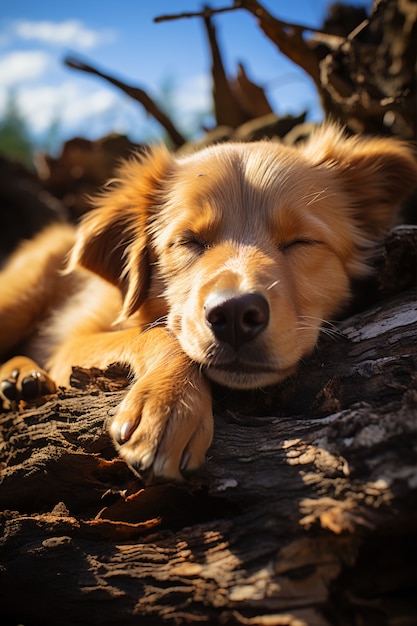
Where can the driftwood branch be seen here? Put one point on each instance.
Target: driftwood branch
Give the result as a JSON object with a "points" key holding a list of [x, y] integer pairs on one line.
{"points": [[304, 514], [137, 94]]}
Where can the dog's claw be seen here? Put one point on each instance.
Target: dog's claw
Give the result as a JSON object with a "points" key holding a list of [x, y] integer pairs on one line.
{"points": [[8, 389], [126, 431], [30, 387]]}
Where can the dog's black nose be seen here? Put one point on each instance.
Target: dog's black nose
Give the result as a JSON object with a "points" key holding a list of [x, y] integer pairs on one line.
{"points": [[236, 319]]}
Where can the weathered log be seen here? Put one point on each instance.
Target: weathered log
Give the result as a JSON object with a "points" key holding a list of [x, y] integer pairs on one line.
{"points": [[81, 169], [25, 206], [304, 514]]}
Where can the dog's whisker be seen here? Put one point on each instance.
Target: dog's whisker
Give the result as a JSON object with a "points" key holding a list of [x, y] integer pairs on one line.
{"points": [[210, 351], [317, 319], [273, 284], [160, 321], [317, 196], [326, 327]]}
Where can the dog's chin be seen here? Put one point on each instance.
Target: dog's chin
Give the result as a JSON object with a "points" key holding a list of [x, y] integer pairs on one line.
{"points": [[246, 379]]}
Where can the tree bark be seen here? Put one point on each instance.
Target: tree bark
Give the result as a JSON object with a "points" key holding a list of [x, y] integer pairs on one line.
{"points": [[305, 512]]}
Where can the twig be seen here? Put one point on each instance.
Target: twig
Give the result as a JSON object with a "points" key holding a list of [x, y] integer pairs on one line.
{"points": [[242, 4], [207, 12]]}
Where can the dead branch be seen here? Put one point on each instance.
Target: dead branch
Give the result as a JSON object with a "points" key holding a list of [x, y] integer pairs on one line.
{"points": [[207, 12], [287, 36], [227, 108], [137, 94], [353, 71], [251, 96], [240, 4]]}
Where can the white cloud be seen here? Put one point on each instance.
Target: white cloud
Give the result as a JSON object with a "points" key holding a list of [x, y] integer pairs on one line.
{"points": [[69, 33], [88, 110], [17, 67]]}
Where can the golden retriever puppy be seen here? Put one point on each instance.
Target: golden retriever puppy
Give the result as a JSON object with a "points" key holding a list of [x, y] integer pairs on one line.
{"points": [[217, 266]]}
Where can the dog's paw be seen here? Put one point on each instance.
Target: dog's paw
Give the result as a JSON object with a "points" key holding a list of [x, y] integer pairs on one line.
{"points": [[163, 427], [22, 379]]}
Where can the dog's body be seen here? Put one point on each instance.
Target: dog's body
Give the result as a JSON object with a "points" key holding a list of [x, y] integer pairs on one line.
{"points": [[221, 265]]}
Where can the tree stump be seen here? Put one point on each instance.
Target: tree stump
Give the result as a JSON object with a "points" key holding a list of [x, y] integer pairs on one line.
{"points": [[304, 514]]}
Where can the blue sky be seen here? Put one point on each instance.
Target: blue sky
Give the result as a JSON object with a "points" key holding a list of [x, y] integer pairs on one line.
{"points": [[121, 37]]}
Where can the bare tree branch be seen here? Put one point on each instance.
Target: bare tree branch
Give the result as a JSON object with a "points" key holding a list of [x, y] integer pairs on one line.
{"points": [[137, 94], [206, 12], [240, 4]]}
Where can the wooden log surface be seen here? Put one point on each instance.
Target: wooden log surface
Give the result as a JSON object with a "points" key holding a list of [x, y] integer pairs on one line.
{"points": [[304, 514]]}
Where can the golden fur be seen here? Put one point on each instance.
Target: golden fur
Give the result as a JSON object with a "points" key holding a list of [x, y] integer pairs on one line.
{"points": [[220, 266]]}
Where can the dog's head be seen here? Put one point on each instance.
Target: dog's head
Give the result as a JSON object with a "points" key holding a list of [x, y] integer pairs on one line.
{"points": [[246, 249]]}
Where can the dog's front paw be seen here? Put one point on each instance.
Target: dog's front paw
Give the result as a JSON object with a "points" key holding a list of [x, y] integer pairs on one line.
{"points": [[23, 379], [164, 426]]}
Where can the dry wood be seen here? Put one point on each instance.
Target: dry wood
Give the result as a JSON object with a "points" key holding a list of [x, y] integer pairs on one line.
{"points": [[25, 206], [355, 77], [81, 169], [353, 71], [227, 108], [288, 37], [238, 101], [304, 514], [251, 95]]}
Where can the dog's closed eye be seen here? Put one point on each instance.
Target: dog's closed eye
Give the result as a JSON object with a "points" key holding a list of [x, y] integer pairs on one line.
{"points": [[285, 246], [191, 242], [194, 242]]}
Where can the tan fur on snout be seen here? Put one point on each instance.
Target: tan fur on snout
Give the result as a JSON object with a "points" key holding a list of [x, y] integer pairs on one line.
{"points": [[222, 266]]}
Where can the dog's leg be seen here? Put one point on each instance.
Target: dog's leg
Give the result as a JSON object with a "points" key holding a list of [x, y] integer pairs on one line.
{"points": [[31, 283], [164, 425]]}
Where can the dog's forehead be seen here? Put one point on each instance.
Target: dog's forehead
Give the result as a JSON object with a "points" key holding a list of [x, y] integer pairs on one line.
{"points": [[250, 162], [240, 179]]}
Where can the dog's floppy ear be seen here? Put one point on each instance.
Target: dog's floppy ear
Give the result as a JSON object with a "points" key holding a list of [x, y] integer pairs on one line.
{"points": [[377, 174], [112, 239]]}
